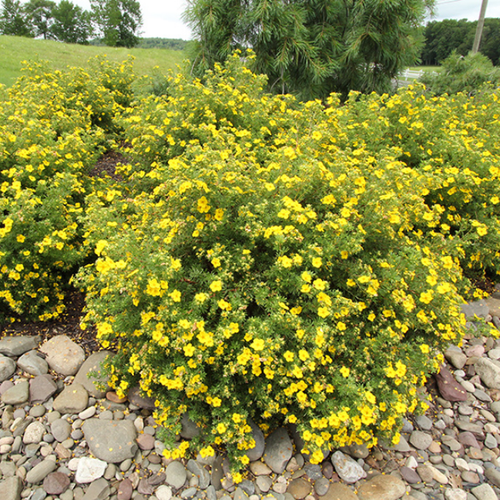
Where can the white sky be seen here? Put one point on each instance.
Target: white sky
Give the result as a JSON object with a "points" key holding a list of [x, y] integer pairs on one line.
{"points": [[163, 18]]}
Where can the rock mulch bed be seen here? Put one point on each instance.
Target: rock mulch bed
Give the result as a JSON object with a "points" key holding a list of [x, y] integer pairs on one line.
{"points": [[63, 438]]}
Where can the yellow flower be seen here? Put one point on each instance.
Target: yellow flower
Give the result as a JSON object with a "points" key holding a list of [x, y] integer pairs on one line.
{"points": [[303, 355], [176, 296], [288, 355], [323, 312], [257, 345], [317, 262], [188, 350], [345, 371], [200, 297], [20, 238], [153, 288], [306, 277], [216, 286], [216, 262], [424, 348], [426, 297]]}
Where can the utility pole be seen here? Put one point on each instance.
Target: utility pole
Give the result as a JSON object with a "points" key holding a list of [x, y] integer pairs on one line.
{"points": [[479, 29]]}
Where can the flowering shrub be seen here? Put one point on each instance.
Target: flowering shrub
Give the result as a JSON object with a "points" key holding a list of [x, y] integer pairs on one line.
{"points": [[49, 141], [286, 262]]}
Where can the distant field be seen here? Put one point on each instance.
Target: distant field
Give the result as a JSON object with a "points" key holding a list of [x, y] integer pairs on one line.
{"points": [[425, 68], [14, 49]]}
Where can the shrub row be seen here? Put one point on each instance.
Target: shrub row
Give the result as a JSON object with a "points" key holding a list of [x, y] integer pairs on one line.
{"points": [[262, 259], [288, 262], [53, 128]]}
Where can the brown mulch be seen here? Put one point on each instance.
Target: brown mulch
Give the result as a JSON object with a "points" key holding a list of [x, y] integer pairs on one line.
{"points": [[69, 322], [106, 165]]}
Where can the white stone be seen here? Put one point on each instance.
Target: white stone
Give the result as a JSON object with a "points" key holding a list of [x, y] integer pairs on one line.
{"points": [[348, 470], [34, 433], [411, 462], [88, 413], [163, 493], [455, 494], [461, 464], [89, 469], [73, 464], [476, 468], [438, 475]]}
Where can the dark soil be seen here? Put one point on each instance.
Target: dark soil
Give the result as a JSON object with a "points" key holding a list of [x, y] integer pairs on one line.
{"points": [[69, 322]]}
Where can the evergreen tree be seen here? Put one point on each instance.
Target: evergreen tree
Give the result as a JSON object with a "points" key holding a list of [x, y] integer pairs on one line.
{"points": [[313, 47], [117, 21], [14, 20], [71, 23]]}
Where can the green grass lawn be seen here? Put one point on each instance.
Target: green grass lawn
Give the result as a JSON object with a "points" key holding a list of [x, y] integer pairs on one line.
{"points": [[426, 69], [15, 49]]}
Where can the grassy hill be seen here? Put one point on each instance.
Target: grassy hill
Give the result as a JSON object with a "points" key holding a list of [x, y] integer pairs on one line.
{"points": [[15, 49]]}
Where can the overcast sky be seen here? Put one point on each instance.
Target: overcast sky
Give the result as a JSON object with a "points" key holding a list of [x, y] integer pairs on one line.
{"points": [[163, 18]]}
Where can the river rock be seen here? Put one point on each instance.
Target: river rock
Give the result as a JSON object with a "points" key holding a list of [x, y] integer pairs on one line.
{"points": [[11, 488], [257, 451], [33, 364], [56, 483], [34, 433], [111, 440], [15, 346], [125, 489], [134, 396], [455, 494], [348, 470], [90, 374], [420, 440], [278, 450], [382, 487], [339, 491], [98, 490], [73, 399], [42, 388], [17, 394], [40, 471], [299, 488], [478, 308], [89, 469], [176, 474], [7, 368], [489, 372], [60, 429], [189, 430], [484, 492], [448, 387], [63, 355]]}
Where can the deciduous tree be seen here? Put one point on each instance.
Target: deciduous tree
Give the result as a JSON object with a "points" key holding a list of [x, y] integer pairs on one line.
{"points": [[117, 21], [14, 20], [40, 16], [71, 23]]}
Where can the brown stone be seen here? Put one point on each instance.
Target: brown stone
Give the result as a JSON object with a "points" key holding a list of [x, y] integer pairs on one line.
{"points": [[382, 487], [468, 439], [299, 488], [145, 442], [113, 397], [448, 387], [145, 487], [56, 483], [62, 452], [339, 491], [125, 489]]}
